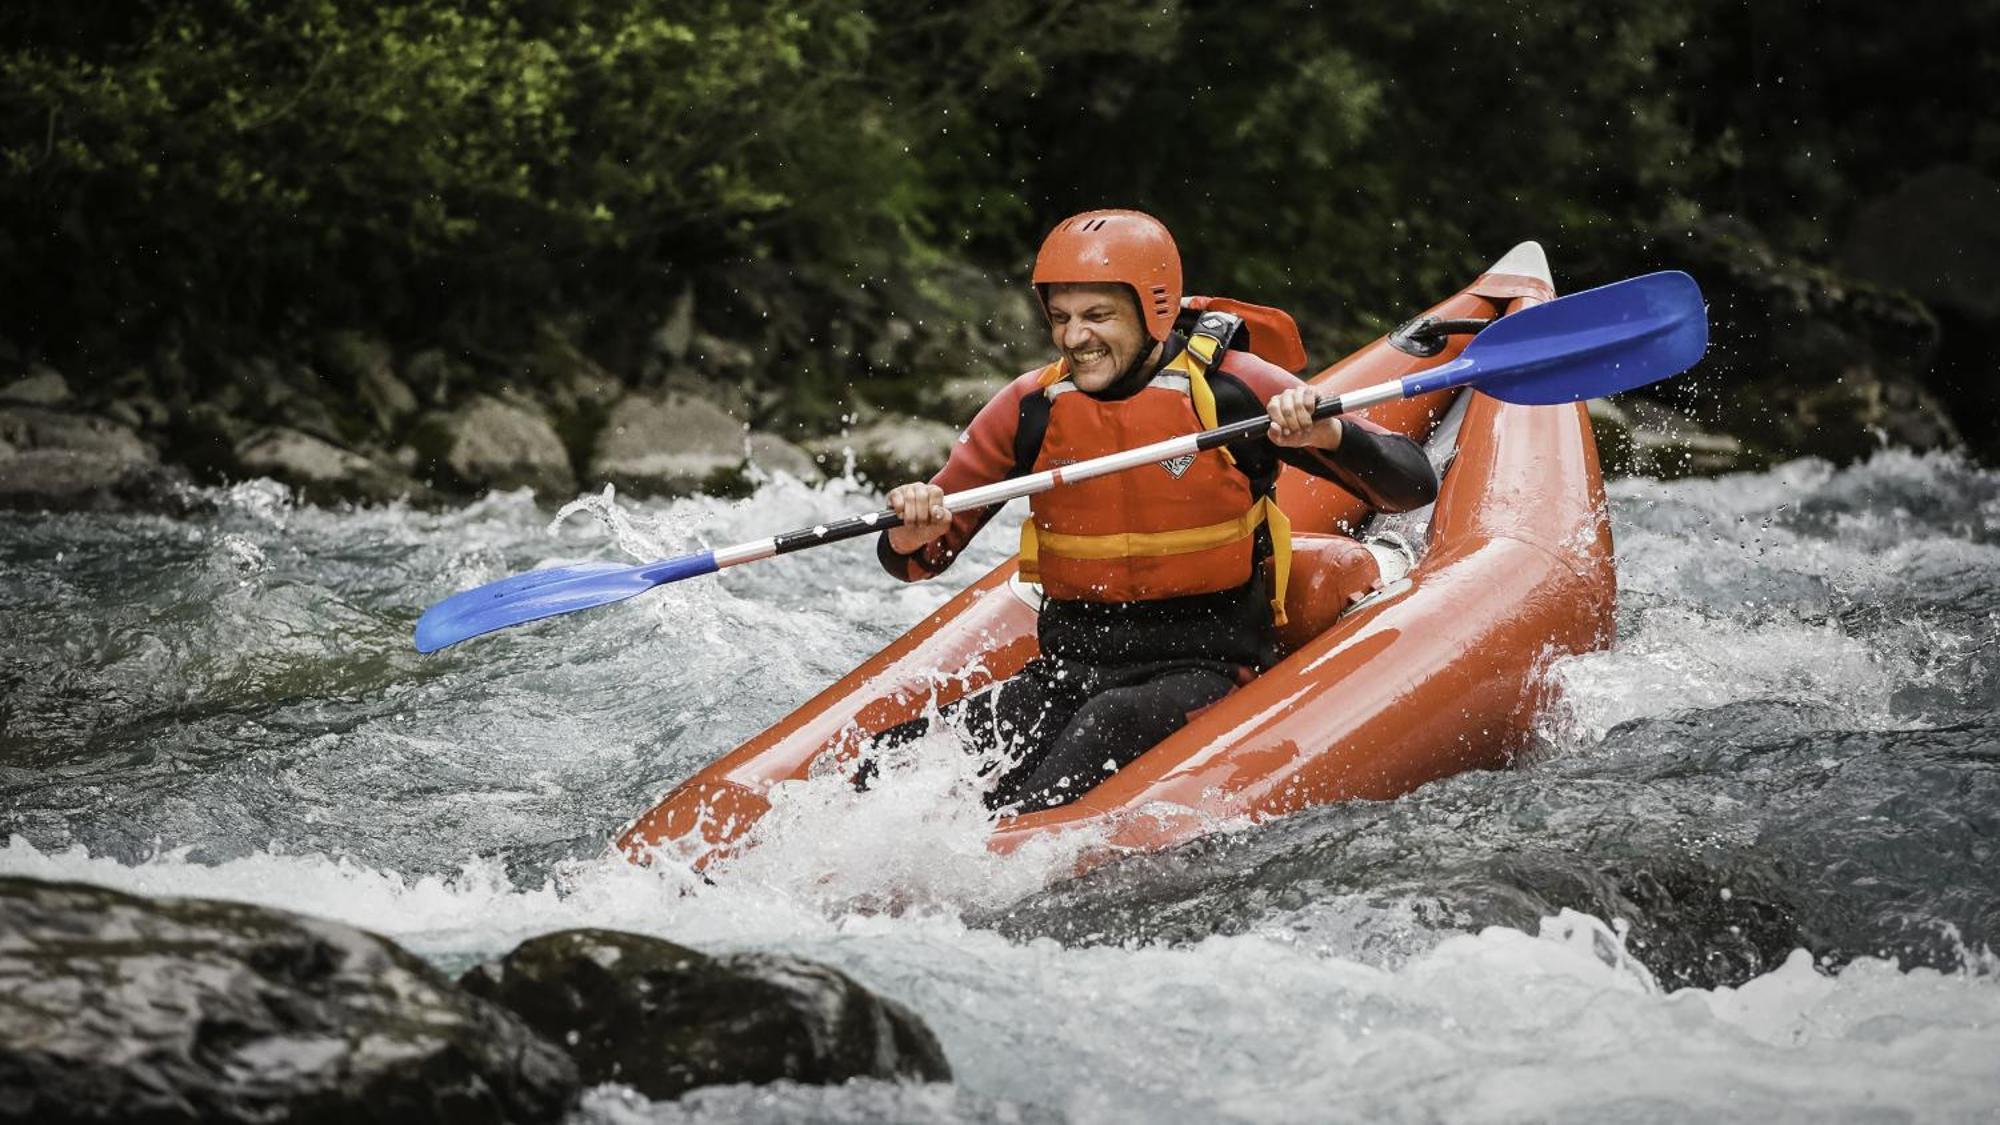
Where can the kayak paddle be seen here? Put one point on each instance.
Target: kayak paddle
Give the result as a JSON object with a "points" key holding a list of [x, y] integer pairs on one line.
{"points": [[1586, 345]]}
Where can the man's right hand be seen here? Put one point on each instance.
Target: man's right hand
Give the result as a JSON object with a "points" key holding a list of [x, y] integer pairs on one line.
{"points": [[924, 516]]}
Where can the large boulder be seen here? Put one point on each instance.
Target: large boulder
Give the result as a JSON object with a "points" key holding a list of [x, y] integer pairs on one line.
{"points": [[320, 470], [494, 443], [890, 450], [121, 1008], [53, 460], [773, 454], [666, 445], [665, 1019]]}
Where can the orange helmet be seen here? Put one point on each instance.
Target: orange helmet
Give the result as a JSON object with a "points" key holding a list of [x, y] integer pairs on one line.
{"points": [[1128, 248]]}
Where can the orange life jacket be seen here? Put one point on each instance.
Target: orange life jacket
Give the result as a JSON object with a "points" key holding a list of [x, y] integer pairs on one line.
{"points": [[1186, 526]]}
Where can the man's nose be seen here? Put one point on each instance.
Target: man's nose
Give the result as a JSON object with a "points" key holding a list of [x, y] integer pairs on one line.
{"points": [[1075, 334]]}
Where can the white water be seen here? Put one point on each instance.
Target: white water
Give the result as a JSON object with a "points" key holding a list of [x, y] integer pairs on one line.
{"points": [[1308, 1015]]}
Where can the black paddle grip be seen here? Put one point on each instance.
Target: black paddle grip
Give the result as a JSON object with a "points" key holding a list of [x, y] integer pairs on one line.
{"points": [[850, 528]]}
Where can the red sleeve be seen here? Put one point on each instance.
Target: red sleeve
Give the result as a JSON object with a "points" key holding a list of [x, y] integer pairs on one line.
{"points": [[983, 454]]}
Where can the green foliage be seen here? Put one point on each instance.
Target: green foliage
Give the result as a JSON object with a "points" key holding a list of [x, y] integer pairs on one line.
{"points": [[452, 170]]}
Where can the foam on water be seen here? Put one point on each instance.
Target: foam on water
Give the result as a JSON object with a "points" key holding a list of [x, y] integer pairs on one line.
{"points": [[1499, 1025], [1735, 589]]}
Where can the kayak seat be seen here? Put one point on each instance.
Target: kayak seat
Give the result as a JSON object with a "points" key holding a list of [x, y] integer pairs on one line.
{"points": [[1329, 573]]}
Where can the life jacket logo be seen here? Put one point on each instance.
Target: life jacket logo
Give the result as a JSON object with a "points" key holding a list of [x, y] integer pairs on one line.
{"points": [[1177, 467]]}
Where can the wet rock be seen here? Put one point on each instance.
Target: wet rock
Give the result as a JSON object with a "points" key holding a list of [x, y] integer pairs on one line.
{"points": [[889, 451], [665, 1019], [955, 400], [121, 1008], [1859, 414], [437, 377], [59, 480], [491, 443], [1659, 441], [39, 387], [721, 359], [56, 461], [28, 427], [365, 366], [675, 335], [773, 454], [320, 471], [666, 445]]}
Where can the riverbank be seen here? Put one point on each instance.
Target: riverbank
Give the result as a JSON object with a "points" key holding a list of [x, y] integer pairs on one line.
{"points": [[1805, 361]]}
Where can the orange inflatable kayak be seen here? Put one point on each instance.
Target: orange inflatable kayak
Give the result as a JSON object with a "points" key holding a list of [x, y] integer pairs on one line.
{"points": [[1410, 654]]}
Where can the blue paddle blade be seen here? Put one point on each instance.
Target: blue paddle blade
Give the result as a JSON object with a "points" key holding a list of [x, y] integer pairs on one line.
{"points": [[547, 593], [1586, 345]]}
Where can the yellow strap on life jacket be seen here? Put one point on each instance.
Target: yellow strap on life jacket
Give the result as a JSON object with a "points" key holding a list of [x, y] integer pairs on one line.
{"points": [[1134, 544], [1194, 362], [1281, 556]]}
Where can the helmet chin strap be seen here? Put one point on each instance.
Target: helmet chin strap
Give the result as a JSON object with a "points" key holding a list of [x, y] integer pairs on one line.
{"points": [[1129, 379]]}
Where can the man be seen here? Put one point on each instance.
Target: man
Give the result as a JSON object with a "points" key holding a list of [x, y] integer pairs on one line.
{"points": [[1156, 601]]}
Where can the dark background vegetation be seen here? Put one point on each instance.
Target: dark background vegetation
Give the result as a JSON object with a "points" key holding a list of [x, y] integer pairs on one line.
{"points": [[186, 184]]}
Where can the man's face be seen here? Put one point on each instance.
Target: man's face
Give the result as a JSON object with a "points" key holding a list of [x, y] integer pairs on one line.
{"points": [[1097, 328]]}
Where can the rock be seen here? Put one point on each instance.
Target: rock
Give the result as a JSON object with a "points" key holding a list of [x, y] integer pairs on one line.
{"points": [[1788, 336], [436, 376], [676, 333], [28, 427], [319, 470], [365, 367], [60, 480], [1859, 414], [890, 451], [956, 399], [39, 387], [665, 1019], [121, 1008], [1662, 442], [774, 454], [722, 359], [573, 381], [664, 445], [205, 438], [57, 461], [1937, 235], [490, 443]]}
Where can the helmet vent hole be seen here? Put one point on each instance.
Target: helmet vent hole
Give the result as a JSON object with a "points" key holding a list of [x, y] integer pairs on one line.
{"points": [[1094, 224]]}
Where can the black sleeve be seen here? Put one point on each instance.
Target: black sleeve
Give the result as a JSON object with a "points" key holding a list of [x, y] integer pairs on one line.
{"points": [[1387, 470]]}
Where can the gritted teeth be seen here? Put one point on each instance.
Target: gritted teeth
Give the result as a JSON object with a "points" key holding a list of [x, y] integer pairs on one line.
{"points": [[1088, 355]]}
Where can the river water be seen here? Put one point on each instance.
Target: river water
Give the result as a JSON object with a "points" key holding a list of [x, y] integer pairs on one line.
{"points": [[1749, 870]]}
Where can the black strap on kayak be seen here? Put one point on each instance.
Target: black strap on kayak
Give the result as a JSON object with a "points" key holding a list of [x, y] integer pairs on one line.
{"points": [[1426, 335]]}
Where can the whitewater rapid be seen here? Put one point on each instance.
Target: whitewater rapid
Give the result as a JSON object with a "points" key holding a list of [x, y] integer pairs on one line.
{"points": [[1747, 870]]}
